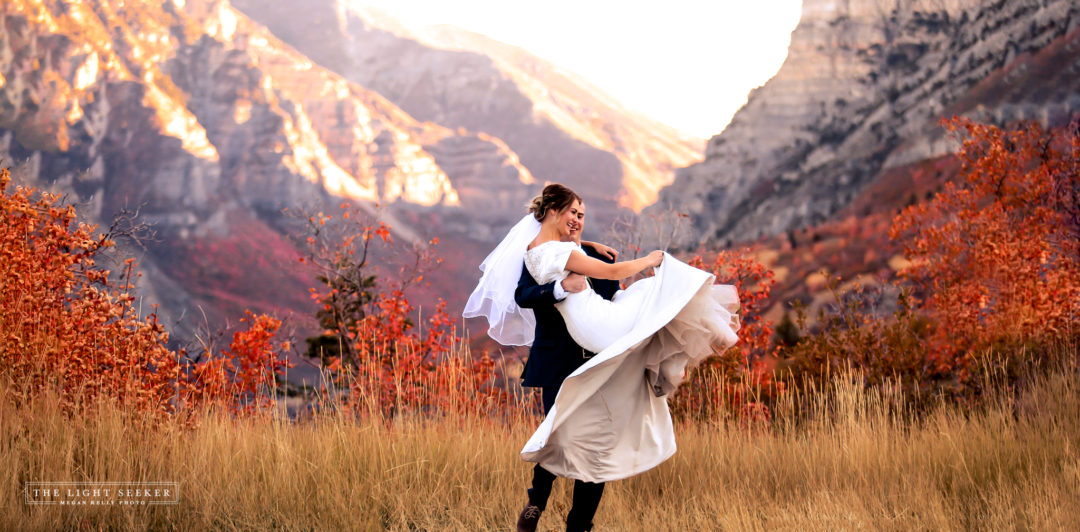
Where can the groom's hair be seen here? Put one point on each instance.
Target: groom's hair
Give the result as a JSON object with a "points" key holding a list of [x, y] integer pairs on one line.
{"points": [[554, 196]]}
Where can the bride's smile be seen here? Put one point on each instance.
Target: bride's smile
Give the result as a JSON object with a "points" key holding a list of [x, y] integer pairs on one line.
{"points": [[570, 221]]}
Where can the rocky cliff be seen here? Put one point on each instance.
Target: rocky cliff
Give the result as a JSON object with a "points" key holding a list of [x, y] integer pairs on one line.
{"points": [[862, 91]]}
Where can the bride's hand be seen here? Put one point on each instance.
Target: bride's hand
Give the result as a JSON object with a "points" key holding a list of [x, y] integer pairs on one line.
{"points": [[655, 258]]}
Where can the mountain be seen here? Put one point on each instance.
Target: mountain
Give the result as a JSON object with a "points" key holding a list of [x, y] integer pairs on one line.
{"points": [[860, 96], [562, 128], [648, 151], [207, 125]]}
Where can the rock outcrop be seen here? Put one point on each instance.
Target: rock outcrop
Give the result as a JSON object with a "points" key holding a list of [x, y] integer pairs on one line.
{"points": [[208, 125], [186, 108], [863, 90]]}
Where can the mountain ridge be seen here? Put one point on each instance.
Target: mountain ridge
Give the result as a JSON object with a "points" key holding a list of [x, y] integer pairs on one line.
{"points": [[208, 124], [556, 136], [862, 91], [638, 158]]}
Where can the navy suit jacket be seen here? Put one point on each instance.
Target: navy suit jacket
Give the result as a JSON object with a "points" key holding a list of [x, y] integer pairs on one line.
{"points": [[554, 354]]}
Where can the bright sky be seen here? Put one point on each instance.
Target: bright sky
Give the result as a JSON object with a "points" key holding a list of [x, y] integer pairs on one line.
{"points": [[689, 64]]}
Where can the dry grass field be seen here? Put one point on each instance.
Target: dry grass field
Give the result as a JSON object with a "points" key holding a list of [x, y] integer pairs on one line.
{"points": [[853, 460]]}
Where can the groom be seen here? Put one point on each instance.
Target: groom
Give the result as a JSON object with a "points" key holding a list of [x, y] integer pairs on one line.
{"points": [[553, 356]]}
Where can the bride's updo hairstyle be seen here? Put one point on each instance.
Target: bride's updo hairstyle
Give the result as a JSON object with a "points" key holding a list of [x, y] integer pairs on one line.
{"points": [[554, 197]]}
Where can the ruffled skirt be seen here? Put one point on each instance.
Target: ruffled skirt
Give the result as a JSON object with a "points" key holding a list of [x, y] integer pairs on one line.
{"points": [[611, 419]]}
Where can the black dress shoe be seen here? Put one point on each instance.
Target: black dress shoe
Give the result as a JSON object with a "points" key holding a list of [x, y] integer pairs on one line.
{"points": [[529, 518]]}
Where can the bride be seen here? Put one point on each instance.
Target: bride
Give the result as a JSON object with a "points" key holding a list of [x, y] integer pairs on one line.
{"points": [[610, 419]]}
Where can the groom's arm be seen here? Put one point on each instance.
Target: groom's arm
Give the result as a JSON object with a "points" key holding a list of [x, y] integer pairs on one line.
{"points": [[602, 252], [531, 295], [606, 288]]}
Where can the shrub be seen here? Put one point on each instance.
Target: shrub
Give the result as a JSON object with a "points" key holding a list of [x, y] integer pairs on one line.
{"points": [[370, 344], [735, 379], [995, 269], [63, 324], [66, 328], [996, 258]]}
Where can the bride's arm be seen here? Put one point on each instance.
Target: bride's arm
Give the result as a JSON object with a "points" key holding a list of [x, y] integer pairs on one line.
{"points": [[597, 269]]}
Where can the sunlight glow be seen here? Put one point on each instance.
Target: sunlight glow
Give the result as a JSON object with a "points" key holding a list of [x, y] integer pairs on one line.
{"points": [[178, 122], [689, 64], [87, 73], [224, 26], [75, 113]]}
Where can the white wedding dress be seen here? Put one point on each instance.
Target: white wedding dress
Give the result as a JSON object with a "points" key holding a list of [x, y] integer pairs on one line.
{"points": [[610, 419]]}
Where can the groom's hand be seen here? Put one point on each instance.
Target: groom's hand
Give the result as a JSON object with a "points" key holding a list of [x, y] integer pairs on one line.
{"points": [[603, 250], [575, 282], [606, 251]]}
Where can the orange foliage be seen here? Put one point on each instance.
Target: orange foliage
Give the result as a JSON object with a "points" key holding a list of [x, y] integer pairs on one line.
{"points": [[371, 344], [997, 256], [63, 325], [736, 378], [245, 374], [995, 263], [406, 369]]}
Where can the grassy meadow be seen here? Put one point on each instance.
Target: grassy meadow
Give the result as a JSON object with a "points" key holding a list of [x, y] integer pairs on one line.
{"points": [[852, 459]]}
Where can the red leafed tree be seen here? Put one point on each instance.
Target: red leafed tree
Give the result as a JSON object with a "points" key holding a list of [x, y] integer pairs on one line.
{"points": [[370, 341], [66, 328], [244, 376], [736, 378], [996, 256]]}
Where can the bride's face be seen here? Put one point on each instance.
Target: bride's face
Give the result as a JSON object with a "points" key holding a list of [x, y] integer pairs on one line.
{"points": [[570, 222]]}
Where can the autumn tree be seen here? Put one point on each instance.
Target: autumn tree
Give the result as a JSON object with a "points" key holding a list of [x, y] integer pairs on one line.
{"points": [[370, 340], [342, 254], [242, 378], [735, 378], [995, 264], [996, 256], [68, 327]]}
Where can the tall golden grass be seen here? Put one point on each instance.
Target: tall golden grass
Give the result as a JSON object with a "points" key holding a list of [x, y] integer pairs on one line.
{"points": [[842, 458]]}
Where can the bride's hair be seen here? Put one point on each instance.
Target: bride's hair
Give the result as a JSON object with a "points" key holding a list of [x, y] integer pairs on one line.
{"points": [[554, 196]]}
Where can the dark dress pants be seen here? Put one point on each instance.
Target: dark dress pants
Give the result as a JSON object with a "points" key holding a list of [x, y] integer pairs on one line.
{"points": [[586, 494]]}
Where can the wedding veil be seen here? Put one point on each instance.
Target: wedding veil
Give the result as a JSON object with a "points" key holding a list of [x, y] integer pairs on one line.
{"points": [[493, 297]]}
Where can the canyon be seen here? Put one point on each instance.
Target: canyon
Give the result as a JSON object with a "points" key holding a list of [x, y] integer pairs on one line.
{"points": [[206, 120], [209, 120], [862, 93]]}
